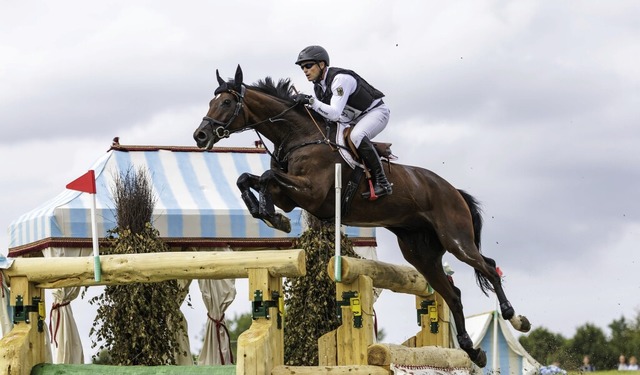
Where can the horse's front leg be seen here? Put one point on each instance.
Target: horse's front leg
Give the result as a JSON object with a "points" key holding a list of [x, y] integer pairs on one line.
{"points": [[289, 190], [245, 183], [268, 185], [261, 208]]}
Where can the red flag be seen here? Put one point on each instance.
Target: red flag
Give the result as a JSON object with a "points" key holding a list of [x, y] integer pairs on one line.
{"points": [[85, 183]]}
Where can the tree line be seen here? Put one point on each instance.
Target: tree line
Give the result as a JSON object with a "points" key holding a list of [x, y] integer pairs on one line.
{"points": [[548, 347]]}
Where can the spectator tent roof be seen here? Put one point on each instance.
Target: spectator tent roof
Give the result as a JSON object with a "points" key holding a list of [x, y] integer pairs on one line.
{"points": [[198, 203]]}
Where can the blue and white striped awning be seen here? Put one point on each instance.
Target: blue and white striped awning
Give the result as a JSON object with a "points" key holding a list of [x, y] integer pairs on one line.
{"points": [[196, 194]]}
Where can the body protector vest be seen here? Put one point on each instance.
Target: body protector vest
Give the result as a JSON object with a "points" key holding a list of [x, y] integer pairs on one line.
{"points": [[360, 99]]}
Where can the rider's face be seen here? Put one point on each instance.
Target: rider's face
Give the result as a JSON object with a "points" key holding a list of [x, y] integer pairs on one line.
{"points": [[312, 69]]}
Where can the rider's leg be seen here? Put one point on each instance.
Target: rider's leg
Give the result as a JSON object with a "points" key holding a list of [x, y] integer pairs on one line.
{"points": [[371, 159], [370, 125]]}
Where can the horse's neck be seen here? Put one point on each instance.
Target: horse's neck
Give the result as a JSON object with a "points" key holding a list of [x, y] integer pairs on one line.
{"points": [[292, 129]]}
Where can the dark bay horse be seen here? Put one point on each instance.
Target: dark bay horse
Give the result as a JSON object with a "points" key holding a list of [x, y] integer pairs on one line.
{"points": [[427, 214]]}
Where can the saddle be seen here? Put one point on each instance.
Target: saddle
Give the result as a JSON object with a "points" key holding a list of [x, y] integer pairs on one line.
{"points": [[382, 148]]}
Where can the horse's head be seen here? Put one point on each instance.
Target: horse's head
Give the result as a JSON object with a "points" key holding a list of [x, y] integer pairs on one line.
{"points": [[223, 118]]}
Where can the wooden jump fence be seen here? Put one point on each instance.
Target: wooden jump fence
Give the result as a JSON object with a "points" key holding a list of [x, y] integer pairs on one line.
{"points": [[350, 349]]}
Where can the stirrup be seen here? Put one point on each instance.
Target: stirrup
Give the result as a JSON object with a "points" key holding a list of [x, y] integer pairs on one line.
{"points": [[383, 190]]}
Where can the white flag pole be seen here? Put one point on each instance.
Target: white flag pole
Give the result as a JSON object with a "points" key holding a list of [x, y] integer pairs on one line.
{"points": [[338, 234], [94, 235], [87, 184]]}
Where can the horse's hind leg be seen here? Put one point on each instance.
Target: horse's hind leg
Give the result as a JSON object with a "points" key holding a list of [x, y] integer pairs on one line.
{"points": [[460, 243], [519, 322], [425, 253]]}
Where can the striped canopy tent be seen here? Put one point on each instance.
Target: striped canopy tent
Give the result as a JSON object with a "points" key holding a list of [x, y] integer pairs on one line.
{"points": [[198, 207]]}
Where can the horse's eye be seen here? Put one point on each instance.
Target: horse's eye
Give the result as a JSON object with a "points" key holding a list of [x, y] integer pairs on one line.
{"points": [[226, 102]]}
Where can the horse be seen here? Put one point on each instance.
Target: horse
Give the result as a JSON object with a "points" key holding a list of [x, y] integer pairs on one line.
{"points": [[426, 213]]}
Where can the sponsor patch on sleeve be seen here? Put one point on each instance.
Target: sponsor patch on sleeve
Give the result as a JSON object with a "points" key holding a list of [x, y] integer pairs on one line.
{"points": [[339, 91]]}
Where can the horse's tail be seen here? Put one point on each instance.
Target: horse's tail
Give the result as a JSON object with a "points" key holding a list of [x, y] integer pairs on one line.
{"points": [[476, 218]]}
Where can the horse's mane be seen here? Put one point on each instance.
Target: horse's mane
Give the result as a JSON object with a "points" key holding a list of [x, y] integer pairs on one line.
{"points": [[280, 90], [283, 91]]}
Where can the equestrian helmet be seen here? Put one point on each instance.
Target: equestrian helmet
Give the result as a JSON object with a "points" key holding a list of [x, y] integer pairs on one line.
{"points": [[313, 53]]}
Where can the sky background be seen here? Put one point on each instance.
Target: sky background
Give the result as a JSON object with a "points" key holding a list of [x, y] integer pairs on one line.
{"points": [[531, 106]]}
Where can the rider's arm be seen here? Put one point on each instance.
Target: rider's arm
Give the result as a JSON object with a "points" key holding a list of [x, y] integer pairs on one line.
{"points": [[343, 85]]}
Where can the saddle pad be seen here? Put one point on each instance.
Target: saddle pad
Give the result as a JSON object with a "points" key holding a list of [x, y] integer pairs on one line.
{"points": [[344, 148]]}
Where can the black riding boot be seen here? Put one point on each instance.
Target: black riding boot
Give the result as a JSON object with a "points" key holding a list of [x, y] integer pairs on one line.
{"points": [[371, 160]]}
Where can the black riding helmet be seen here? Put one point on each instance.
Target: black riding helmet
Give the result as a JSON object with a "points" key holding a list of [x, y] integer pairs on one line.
{"points": [[313, 53]]}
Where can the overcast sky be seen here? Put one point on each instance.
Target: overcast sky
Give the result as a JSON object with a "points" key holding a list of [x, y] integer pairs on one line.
{"points": [[531, 106]]}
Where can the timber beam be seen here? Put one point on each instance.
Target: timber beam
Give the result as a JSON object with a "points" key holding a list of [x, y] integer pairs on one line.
{"points": [[156, 267], [397, 278]]}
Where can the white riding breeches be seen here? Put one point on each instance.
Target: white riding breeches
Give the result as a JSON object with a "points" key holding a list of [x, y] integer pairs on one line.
{"points": [[371, 124]]}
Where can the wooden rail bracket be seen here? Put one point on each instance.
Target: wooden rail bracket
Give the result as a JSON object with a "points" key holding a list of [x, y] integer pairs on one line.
{"points": [[429, 308], [21, 311], [260, 307], [351, 299]]}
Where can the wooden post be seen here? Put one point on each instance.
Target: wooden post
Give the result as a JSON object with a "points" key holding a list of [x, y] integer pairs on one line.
{"points": [[426, 337], [23, 347], [261, 347], [353, 342], [327, 346]]}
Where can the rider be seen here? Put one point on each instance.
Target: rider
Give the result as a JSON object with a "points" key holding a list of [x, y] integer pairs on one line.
{"points": [[342, 95]]}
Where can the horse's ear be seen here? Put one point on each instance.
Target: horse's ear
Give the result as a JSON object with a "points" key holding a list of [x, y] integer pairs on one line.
{"points": [[220, 80], [238, 79]]}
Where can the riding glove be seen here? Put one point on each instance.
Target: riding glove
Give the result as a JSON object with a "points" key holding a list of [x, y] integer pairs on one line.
{"points": [[302, 98]]}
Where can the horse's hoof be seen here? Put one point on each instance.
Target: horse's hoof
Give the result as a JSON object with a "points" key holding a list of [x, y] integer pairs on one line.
{"points": [[479, 357], [282, 223], [520, 323], [507, 310], [279, 222]]}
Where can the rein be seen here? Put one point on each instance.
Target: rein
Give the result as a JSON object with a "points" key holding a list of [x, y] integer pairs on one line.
{"points": [[325, 138]]}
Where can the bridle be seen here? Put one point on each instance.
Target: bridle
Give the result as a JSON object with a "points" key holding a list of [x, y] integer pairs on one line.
{"points": [[222, 130]]}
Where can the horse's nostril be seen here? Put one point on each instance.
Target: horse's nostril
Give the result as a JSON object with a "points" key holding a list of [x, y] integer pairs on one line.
{"points": [[201, 136]]}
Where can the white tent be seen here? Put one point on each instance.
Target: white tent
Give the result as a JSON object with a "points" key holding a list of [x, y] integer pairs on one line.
{"points": [[505, 355]]}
